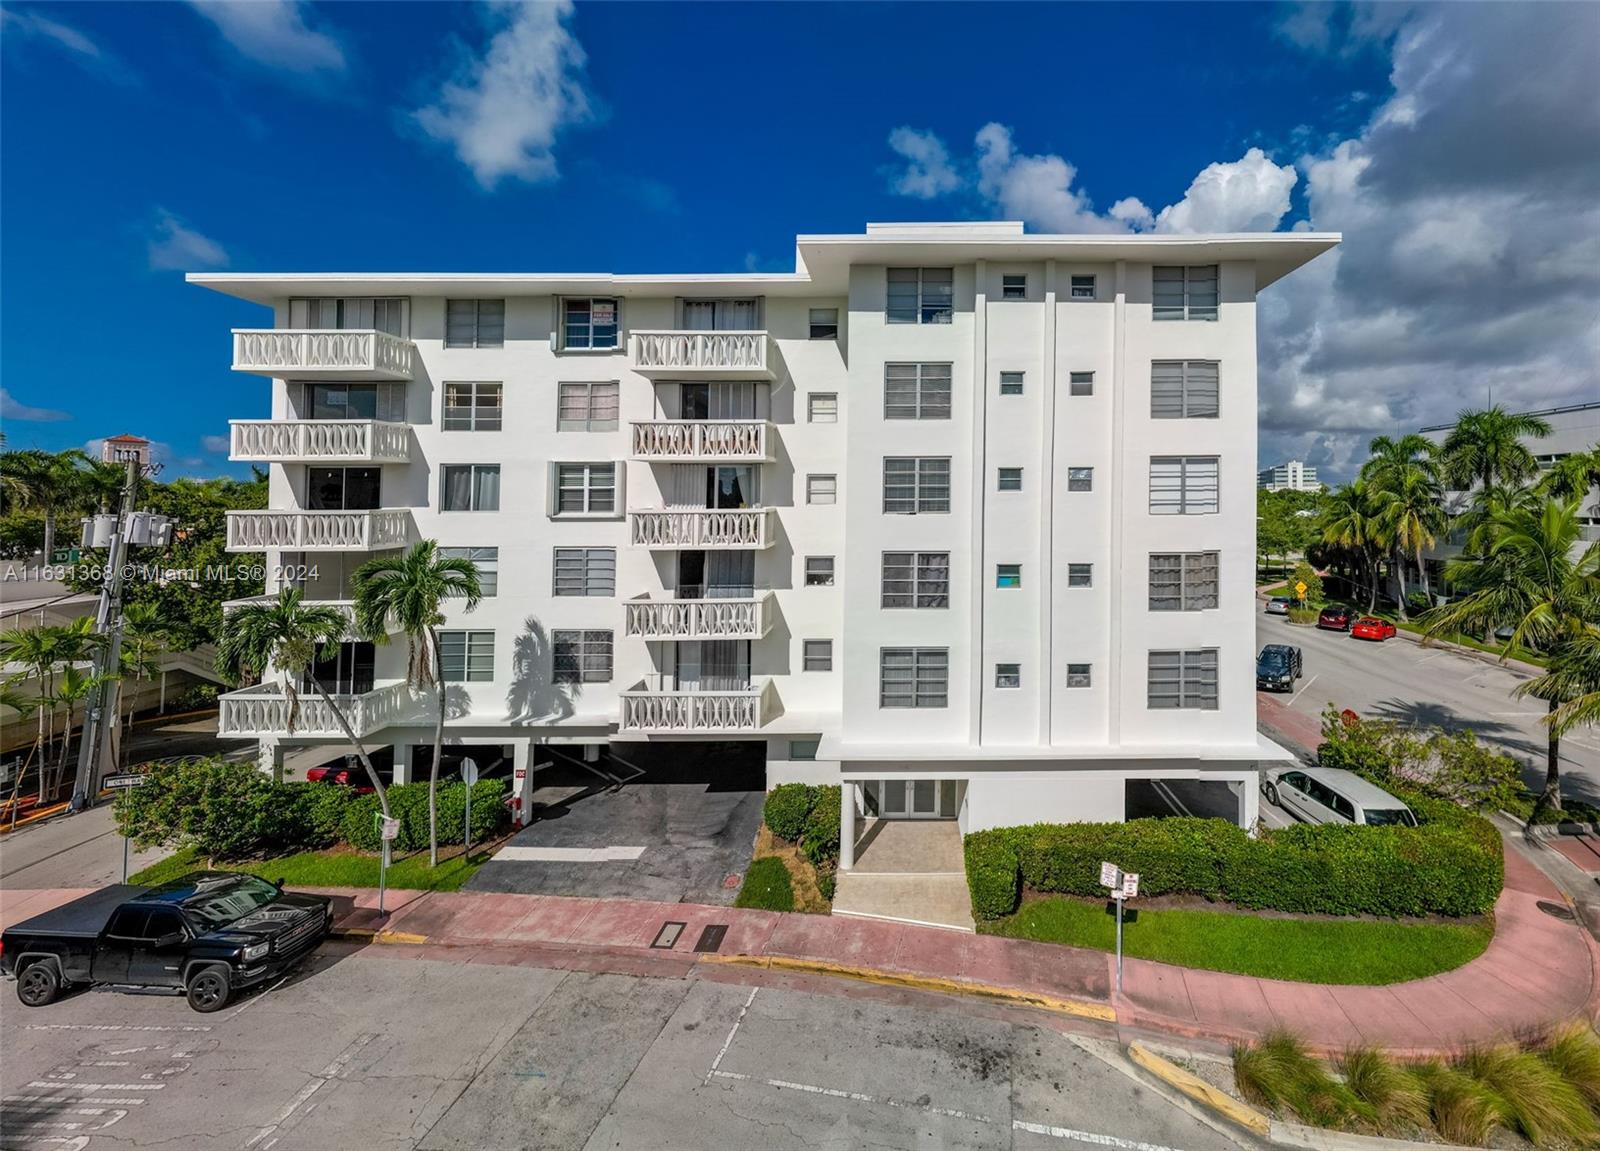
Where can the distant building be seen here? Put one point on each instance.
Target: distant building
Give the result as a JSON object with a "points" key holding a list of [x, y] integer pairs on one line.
{"points": [[1294, 476], [121, 449]]}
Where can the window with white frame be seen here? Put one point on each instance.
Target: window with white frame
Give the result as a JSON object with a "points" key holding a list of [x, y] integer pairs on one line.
{"points": [[1183, 485], [824, 323], [1184, 293], [1184, 389], [347, 313], [1184, 581], [587, 406], [1013, 286], [590, 323], [1080, 479], [816, 655], [914, 677], [584, 571], [916, 391], [466, 656], [474, 323], [916, 485], [1080, 575], [469, 488], [916, 580], [920, 296], [1080, 383], [487, 563], [804, 748], [1007, 675], [580, 656], [1007, 575], [1011, 383], [819, 571], [1082, 287], [1078, 674], [1009, 479], [822, 489], [822, 407], [472, 407], [586, 489], [1183, 679]]}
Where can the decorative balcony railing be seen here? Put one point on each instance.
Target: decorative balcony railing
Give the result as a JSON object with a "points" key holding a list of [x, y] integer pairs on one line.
{"points": [[317, 441], [318, 531], [700, 355], [306, 353], [650, 706], [744, 618], [263, 711], [725, 441], [702, 528]]}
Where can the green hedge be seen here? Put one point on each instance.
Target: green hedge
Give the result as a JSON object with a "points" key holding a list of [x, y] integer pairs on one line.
{"points": [[408, 802], [786, 809], [820, 840]]}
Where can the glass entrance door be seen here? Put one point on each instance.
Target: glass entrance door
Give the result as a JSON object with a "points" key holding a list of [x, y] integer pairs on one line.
{"points": [[910, 798]]}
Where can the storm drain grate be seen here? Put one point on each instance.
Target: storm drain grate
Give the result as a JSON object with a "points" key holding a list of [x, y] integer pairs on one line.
{"points": [[1557, 910], [667, 938], [711, 938]]}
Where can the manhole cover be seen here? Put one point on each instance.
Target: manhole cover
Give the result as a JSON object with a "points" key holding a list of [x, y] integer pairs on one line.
{"points": [[732, 881], [1559, 910], [711, 938]]}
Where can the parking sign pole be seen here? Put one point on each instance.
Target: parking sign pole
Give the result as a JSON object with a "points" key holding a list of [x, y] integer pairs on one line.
{"points": [[383, 862], [1117, 895], [125, 856]]}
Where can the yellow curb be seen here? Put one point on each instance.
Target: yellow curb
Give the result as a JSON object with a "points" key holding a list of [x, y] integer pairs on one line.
{"points": [[377, 936], [1200, 1091], [1078, 1007]]}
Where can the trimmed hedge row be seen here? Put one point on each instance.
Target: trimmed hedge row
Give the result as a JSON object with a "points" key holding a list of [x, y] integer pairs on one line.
{"points": [[1451, 865], [808, 816], [408, 802]]}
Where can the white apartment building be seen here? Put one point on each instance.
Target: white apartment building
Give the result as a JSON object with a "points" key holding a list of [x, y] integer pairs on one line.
{"points": [[954, 515], [1292, 475]]}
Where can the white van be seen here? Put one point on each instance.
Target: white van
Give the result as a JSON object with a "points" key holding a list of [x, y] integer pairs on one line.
{"points": [[1333, 795]]}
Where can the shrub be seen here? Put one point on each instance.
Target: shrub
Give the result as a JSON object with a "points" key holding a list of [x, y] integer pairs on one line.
{"points": [[1276, 1072], [1575, 1054], [1306, 574], [786, 809], [766, 886], [993, 875], [224, 809], [820, 840], [1532, 1096], [408, 802], [1392, 1095], [827, 883]]}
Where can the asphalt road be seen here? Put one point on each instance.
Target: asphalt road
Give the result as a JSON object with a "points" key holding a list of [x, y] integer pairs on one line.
{"points": [[400, 1054]]}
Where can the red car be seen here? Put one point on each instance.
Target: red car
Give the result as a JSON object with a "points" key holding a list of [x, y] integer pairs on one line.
{"points": [[1371, 627], [355, 779], [1334, 618]]}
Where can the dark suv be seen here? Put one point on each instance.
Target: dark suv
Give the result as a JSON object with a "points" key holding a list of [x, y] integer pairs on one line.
{"points": [[1335, 618], [1277, 667]]}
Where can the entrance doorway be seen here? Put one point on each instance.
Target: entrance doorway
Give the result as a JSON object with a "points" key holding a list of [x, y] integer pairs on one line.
{"points": [[910, 798]]}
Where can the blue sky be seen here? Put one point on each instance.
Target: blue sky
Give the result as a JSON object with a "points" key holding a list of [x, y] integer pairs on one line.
{"points": [[140, 140]]}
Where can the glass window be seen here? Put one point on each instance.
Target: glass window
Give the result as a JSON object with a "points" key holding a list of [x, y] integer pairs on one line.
{"points": [[916, 485], [1007, 675], [589, 323], [817, 655], [916, 579], [1078, 674], [467, 656], [486, 560], [1183, 679], [1183, 581], [472, 407], [916, 391], [587, 407], [1008, 575], [580, 656], [913, 677], [354, 402], [1013, 287], [822, 489], [1010, 480], [1184, 293], [1082, 287], [586, 489], [1080, 383], [804, 748], [824, 323], [819, 571], [343, 489], [1080, 479], [585, 571], [822, 407], [1080, 575], [350, 313], [920, 296], [1011, 383], [1183, 485], [470, 488], [1184, 389], [474, 323]]}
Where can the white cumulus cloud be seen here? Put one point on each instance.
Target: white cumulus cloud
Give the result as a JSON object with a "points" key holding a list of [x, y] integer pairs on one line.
{"points": [[1249, 195], [1038, 189], [176, 247], [12, 408], [274, 33], [928, 171], [220, 445]]}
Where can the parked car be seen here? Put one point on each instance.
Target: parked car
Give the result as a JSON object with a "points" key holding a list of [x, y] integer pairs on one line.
{"points": [[1279, 605], [1334, 618], [1278, 666], [346, 774], [205, 935], [1333, 795], [1373, 628]]}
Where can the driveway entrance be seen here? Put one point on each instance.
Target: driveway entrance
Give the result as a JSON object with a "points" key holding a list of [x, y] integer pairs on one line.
{"points": [[907, 870]]}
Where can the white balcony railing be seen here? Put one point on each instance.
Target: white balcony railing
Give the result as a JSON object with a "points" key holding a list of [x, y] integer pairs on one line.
{"points": [[315, 441], [702, 528], [682, 355], [263, 711], [301, 353], [649, 707], [728, 441], [318, 531], [744, 618]]}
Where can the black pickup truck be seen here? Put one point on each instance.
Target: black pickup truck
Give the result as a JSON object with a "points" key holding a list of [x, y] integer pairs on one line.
{"points": [[206, 935]]}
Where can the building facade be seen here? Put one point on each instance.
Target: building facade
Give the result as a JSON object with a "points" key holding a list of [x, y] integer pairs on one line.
{"points": [[956, 516], [1292, 476]]}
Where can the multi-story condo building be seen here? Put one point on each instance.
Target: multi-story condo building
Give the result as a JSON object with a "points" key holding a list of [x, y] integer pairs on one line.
{"points": [[1292, 475], [957, 516]]}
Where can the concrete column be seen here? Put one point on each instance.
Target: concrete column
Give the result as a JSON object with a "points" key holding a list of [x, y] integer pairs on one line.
{"points": [[847, 826], [1248, 791], [402, 762], [269, 758], [521, 781]]}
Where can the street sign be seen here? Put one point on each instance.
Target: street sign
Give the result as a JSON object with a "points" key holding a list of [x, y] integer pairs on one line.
{"points": [[1300, 589], [469, 772], [1130, 884], [1110, 875], [388, 829], [124, 780]]}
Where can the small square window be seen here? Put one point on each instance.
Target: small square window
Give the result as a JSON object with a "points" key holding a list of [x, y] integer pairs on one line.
{"points": [[1080, 479], [1080, 575], [1081, 383], [1011, 383], [1083, 287], [819, 571], [1008, 575], [1014, 287], [804, 748], [1010, 479], [824, 323], [1078, 675], [822, 407], [817, 655], [822, 489], [1008, 675]]}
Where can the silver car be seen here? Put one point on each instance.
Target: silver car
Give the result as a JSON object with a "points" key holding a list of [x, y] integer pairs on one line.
{"points": [[1279, 605], [1333, 795]]}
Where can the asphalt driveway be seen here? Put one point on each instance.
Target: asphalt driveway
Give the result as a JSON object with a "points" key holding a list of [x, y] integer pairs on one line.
{"points": [[679, 830]]}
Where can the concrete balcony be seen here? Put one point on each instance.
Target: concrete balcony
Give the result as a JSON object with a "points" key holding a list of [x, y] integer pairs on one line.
{"points": [[320, 441], [650, 707], [679, 355], [262, 712], [712, 441], [304, 531], [703, 528], [319, 354], [743, 618]]}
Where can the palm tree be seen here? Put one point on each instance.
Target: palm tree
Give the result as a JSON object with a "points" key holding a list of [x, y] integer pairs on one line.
{"points": [[1405, 476], [72, 688], [1351, 523], [52, 482], [144, 637], [1573, 476], [289, 635], [1485, 447], [1529, 582], [407, 592], [1574, 675], [42, 652]]}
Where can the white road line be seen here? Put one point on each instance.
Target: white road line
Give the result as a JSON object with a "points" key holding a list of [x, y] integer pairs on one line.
{"points": [[1086, 1137], [732, 1031], [58, 1085], [102, 1027], [570, 854], [112, 1101], [1303, 686], [331, 1071]]}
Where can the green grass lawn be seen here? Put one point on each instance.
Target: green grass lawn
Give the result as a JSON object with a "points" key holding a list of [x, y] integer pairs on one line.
{"points": [[1304, 950], [767, 886], [329, 869]]}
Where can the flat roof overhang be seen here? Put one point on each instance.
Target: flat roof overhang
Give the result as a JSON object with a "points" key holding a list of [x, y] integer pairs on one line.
{"points": [[933, 755]]}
